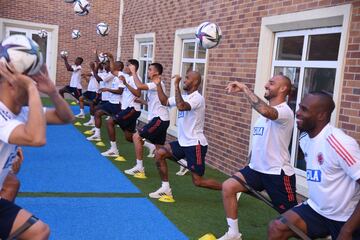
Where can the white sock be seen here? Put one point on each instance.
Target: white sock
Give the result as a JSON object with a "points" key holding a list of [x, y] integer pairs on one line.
{"points": [[92, 119], [149, 145], [165, 184], [97, 132], [233, 226], [139, 163], [113, 145], [81, 111]]}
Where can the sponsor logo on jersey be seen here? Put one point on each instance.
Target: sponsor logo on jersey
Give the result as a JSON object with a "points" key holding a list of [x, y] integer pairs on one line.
{"points": [[181, 114], [258, 131], [320, 158], [313, 175]]}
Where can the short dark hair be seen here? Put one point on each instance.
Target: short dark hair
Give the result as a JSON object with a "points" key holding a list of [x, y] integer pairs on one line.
{"points": [[135, 63], [120, 64], [327, 102], [80, 59], [158, 67]]}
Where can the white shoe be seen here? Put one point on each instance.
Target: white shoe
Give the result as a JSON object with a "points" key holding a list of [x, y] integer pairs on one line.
{"points": [[80, 115], [107, 118], [182, 171], [151, 151], [134, 170], [111, 153], [89, 124], [227, 236], [162, 191], [94, 138]]}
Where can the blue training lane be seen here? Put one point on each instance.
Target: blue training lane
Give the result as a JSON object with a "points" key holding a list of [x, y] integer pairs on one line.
{"points": [[70, 163], [102, 218]]}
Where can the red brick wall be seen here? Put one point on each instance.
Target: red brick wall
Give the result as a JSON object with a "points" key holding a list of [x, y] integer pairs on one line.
{"points": [[228, 117], [62, 14]]}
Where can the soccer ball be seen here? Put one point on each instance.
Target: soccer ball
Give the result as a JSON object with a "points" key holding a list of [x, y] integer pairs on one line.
{"points": [[103, 58], [208, 35], [23, 53], [64, 53], [69, 1], [43, 33], [81, 7], [75, 34], [102, 29]]}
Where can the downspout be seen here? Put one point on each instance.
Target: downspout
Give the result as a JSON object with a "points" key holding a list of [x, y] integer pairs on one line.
{"points": [[121, 13]]}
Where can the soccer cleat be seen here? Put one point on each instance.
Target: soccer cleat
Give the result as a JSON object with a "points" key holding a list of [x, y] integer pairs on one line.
{"points": [[89, 124], [162, 191], [94, 138], [134, 170], [111, 153], [182, 171], [227, 236], [80, 115]]}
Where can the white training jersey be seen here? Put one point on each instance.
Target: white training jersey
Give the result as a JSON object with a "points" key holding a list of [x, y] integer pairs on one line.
{"points": [[75, 80], [128, 99], [270, 143], [155, 108], [106, 82], [115, 98], [8, 122], [191, 123], [332, 169], [93, 85]]}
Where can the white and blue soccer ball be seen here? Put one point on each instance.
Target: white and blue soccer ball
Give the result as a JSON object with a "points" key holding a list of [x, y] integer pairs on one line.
{"points": [[23, 52], [102, 29], [64, 53], [43, 33], [75, 34], [81, 7], [208, 35], [103, 58]]}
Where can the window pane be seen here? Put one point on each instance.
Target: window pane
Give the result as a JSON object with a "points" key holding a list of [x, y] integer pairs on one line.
{"points": [[150, 50], [200, 67], [185, 68], [16, 32], [42, 42], [290, 48], [201, 52], [324, 47], [319, 79], [189, 50], [144, 51]]}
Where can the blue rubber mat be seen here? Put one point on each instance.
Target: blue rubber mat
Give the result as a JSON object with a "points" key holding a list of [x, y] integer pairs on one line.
{"points": [[70, 163], [102, 218]]}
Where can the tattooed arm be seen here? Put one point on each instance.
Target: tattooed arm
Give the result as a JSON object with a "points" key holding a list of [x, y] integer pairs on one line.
{"points": [[259, 105]]}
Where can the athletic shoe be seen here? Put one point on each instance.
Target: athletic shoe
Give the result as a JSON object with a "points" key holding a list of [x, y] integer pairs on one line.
{"points": [[110, 153], [228, 237], [89, 124], [162, 191], [80, 115], [134, 170], [94, 138], [151, 151], [182, 171]]}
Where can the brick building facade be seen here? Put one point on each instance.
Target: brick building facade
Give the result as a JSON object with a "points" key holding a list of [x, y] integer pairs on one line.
{"points": [[260, 38]]}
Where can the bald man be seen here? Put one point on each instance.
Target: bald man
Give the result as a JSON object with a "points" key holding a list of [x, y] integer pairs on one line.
{"points": [[332, 173], [269, 167], [191, 144]]}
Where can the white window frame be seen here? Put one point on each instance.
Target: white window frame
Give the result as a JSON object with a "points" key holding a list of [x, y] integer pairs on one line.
{"points": [[319, 18], [183, 36], [52, 44], [140, 40]]}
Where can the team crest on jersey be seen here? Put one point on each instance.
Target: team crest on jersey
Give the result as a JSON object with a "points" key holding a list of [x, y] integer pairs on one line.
{"points": [[320, 158], [258, 131]]}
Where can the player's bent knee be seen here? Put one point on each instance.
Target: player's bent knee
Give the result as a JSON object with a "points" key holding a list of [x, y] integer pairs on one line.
{"points": [[160, 153], [275, 229], [228, 187]]}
